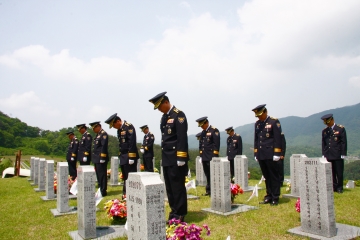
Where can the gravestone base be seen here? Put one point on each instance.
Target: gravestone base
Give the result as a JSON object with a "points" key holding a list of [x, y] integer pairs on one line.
{"points": [[55, 198], [109, 232], [39, 190], [56, 213], [235, 208], [33, 184], [30, 180], [189, 197], [290, 196], [343, 232]]}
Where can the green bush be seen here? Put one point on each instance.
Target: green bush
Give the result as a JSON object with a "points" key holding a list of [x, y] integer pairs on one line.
{"points": [[5, 163]]}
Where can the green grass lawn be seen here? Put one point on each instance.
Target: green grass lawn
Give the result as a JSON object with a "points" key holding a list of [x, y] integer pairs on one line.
{"points": [[23, 215]]}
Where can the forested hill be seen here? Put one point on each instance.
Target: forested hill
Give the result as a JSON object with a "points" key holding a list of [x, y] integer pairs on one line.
{"points": [[306, 131]]}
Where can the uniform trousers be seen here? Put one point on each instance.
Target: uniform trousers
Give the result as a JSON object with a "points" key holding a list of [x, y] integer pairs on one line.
{"points": [[72, 169], [174, 177], [82, 163], [281, 171], [101, 175], [148, 164], [269, 169], [232, 167], [206, 168], [125, 170], [337, 173]]}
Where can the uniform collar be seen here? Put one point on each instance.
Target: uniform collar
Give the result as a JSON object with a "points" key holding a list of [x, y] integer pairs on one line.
{"points": [[171, 107]]}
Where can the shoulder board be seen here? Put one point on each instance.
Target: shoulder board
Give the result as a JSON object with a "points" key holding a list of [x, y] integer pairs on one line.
{"points": [[176, 110], [273, 118], [341, 126], [102, 131], [75, 138], [127, 124], [213, 127], [237, 134], [87, 133]]}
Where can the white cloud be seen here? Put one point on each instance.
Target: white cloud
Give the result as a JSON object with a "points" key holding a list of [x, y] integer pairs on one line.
{"points": [[355, 81]]}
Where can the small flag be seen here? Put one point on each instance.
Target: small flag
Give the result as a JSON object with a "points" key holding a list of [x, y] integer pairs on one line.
{"points": [[254, 193], [73, 188], [261, 180], [98, 197], [228, 238], [189, 174], [190, 184]]}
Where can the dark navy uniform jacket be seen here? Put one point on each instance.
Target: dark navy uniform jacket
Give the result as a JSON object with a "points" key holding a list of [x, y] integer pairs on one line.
{"points": [[100, 147], [174, 143], [210, 143], [127, 143], [334, 142], [283, 145], [72, 149], [148, 145], [85, 147], [234, 146], [267, 141]]}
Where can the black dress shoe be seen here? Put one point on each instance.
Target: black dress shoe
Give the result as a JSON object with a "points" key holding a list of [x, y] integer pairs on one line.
{"points": [[274, 203], [206, 194], [266, 201], [340, 191]]}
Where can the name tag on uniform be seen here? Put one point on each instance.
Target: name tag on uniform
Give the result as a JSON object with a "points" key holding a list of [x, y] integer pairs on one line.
{"points": [[268, 126], [170, 120], [208, 134], [123, 133], [234, 140]]}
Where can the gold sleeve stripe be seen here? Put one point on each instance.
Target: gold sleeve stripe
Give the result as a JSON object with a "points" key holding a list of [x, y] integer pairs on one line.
{"points": [[103, 155], [200, 151], [73, 155], [86, 153], [277, 149], [146, 148], [181, 154], [216, 152], [255, 150], [132, 154]]}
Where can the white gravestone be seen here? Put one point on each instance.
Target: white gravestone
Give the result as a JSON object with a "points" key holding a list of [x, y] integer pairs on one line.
{"points": [[114, 176], [31, 169], [350, 184], [145, 204], [62, 192], [49, 186], [220, 185], [200, 175], [241, 164], [36, 171], [42, 176], [317, 197], [295, 161], [86, 178]]}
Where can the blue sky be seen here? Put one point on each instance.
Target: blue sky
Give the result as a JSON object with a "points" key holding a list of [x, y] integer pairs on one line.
{"points": [[69, 62]]}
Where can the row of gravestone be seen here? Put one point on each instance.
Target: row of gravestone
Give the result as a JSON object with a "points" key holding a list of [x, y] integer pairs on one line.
{"points": [[146, 192]]}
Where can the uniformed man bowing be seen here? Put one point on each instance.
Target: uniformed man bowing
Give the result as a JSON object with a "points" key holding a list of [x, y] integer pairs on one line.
{"points": [[147, 149], [100, 156], [175, 156], [233, 148], [210, 148], [267, 151], [334, 149], [84, 154], [128, 153], [71, 155]]}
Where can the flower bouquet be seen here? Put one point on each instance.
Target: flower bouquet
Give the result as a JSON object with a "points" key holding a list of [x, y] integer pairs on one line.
{"points": [[235, 190], [178, 230], [288, 187], [142, 168], [70, 183], [297, 205], [116, 210]]}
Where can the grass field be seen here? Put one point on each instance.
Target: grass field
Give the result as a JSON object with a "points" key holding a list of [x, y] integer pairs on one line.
{"points": [[23, 215]]}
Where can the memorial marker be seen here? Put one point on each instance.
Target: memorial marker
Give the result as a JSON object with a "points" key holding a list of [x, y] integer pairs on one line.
{"points": [[31, 169], [42, 176], [49, 186], [295, 161], [199, 171], [36, 171], [114, 176]]}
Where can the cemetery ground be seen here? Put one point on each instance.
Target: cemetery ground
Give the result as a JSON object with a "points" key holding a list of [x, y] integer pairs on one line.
{"points": [[23, 215]]}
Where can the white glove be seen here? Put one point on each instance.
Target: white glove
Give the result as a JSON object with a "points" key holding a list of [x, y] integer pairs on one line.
{"points": [[276, 158], [323, 156], [72, 159], [342, 156], [102, 161], [180, 163], [200, 160], [131, 161], [142, 150], [85, 159], [255, 159]]}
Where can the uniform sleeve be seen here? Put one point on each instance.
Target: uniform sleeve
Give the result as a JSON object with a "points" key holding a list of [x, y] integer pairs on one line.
{"points": [[283, 145], [240, 146], [88, 142], [343, 142], [104, 147], [75, 148], [131, 134], [227, 145], [255, 142], [216, 140], [323, 142], [277, 138], [182, 138]]}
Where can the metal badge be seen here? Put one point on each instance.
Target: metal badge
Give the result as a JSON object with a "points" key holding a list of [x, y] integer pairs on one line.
{"points": [[335, 138], [267, 135], [169, 130]]}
